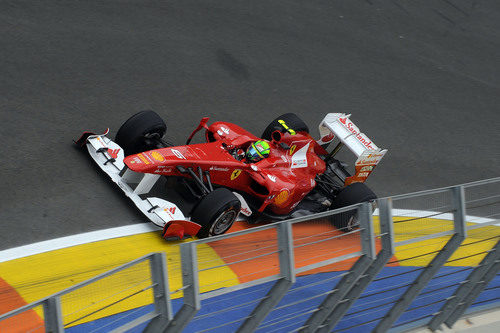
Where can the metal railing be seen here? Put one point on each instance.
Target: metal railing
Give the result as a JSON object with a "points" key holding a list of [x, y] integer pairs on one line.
{"points": [[143, 288], [423, 260]]}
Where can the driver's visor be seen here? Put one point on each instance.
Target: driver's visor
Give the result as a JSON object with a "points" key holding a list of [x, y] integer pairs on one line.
{"points": [[254, 154]]}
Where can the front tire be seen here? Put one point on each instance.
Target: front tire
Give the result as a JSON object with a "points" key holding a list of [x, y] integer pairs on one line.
{"points": [[216, 212], [350, 195], [133, 135]]}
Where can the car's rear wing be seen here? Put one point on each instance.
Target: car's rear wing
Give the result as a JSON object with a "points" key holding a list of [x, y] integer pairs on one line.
{"points": [[338, 125]]}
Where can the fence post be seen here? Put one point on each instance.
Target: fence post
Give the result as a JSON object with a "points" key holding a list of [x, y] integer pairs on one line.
{"points": [[163, 306], [190, 282], [366, 225], [350, 281], [458, 201], [53, 315], [387, 240], [437, 262], [280, 288]]}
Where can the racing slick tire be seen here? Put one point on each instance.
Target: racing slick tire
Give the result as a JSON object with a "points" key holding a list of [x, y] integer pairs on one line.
{"points": [[350, 195], [216, 212], [291, 120], [131, 135]]}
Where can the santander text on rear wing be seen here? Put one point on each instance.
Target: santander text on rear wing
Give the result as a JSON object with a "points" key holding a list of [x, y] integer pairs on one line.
{"points": [[338, 125]]}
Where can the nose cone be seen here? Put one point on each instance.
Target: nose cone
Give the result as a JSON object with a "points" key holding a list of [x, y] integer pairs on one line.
{"points": [[144, 162]]}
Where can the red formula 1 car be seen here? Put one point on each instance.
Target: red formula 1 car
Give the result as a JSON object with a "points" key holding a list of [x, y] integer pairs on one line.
{"points": [[206, 185]]}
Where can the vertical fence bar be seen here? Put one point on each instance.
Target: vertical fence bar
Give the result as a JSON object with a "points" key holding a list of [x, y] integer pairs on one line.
{"points": [[461, 293], [349, 281], [190, 281], [53, 315], [281, 287], [387, 240], [437, 262], [458, 201], [366, 225], [286, 253], [163, 306], [386, 225]]}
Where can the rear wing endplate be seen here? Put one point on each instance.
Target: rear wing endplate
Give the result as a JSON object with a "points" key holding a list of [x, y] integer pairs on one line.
{"points": [[338, 125]]}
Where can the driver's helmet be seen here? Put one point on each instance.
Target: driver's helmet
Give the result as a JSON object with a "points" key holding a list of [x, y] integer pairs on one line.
{"points": [[257, 151]]}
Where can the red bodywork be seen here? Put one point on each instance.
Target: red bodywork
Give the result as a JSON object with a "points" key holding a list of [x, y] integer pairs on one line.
{"points": [[280, 181]]}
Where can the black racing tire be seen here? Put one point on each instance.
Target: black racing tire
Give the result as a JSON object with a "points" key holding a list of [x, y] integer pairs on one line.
{"points": [[350, 195], [131, 135], [291, 120], [216, 212]]}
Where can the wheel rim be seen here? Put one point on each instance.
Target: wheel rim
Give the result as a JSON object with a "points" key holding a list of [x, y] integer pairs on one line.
{"points": [[223, 222]]}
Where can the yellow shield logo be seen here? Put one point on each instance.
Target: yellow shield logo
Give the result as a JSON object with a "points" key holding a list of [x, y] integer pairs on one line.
{"points": [[282, 197], [292, 149], [235, 174], [157, 156]]}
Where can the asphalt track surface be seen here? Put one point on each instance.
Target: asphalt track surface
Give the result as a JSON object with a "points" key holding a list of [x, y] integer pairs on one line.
{"points": [[420, 79]]}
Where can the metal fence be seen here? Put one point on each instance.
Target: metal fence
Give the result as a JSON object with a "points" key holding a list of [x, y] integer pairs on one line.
{"points": [[422, 260], [140, 285]]}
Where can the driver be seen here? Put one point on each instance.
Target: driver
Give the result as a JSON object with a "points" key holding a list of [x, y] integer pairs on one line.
{"points": [[257, 150]]}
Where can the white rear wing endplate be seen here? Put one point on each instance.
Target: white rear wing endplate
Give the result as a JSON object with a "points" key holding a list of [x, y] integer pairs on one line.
{"points": [[338, 125]]}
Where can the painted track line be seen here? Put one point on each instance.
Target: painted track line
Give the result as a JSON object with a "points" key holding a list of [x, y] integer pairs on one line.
{"points": [[78, 239], [135, 229]]}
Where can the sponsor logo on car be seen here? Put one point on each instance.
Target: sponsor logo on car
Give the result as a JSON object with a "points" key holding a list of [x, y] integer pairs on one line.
{"points": [[235, 174], [143, 158], [272, 178], [170, 210], [214, 168], [292, 149], [178, 154], [163, 168], [299, 159], [282, 197], [299, 163], [357, 133], [157, 156], [135, 160], [101, 141], [245, 211], [371, 159], [113, 152]]}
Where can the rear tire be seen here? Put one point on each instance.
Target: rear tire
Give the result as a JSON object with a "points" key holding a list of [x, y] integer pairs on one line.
{"points": [[216, 212], [131, 136], [350, 195], [291, 120]]}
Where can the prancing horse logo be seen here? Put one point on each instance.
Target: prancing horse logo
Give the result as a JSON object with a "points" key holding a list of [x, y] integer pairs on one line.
{"points": [[235, 174]]}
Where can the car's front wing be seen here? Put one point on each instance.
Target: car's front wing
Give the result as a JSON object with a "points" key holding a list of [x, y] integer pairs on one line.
{"points": [[109, 156]]}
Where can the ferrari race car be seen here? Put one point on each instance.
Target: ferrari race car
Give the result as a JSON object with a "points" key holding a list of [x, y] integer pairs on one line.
{"points": [[205, 186]]}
